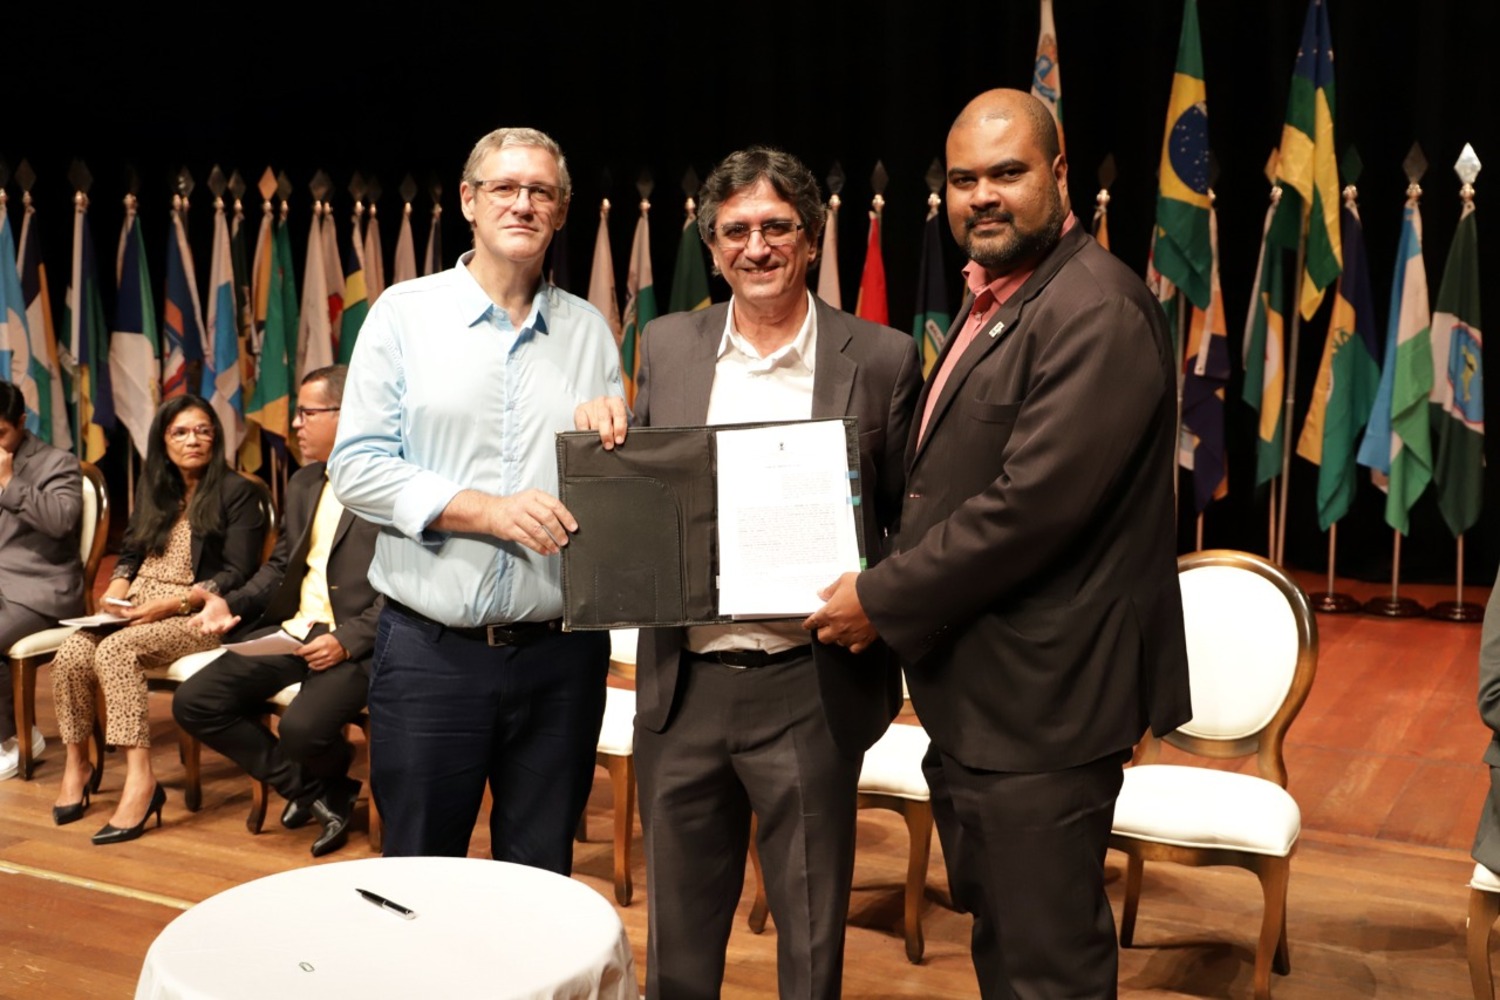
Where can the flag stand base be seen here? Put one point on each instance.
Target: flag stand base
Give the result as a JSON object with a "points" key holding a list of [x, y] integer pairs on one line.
{"points": [[1457, 611], [1394, 607], [1333, 603]]}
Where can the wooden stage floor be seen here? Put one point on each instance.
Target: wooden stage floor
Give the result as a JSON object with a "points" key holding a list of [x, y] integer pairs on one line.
{"points": [[1384, 760]]}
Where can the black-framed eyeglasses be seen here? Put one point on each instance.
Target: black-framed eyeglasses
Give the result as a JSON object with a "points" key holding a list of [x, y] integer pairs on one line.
{"points": [[503, 192], [303, 411], [775, 233]]}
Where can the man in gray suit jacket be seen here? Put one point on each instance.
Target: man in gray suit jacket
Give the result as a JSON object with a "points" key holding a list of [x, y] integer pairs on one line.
{"points": [[41, 574], [316, 587], [753, 718], [1487, 838]]}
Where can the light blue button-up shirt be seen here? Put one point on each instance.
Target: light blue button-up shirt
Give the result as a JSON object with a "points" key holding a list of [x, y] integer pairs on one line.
{"points": [[444, 394]]}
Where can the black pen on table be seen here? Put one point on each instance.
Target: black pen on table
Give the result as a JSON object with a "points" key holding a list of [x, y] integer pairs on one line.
{"points": [[387, 904]]}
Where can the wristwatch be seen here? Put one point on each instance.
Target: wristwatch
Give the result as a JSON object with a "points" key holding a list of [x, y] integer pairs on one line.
{"points": [[184, 608]]}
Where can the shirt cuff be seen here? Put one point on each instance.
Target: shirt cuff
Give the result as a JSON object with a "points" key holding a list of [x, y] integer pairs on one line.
{"points": [[422, 499]]}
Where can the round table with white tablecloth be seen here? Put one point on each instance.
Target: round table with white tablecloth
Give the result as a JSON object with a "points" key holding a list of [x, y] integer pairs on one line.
{"points": [[480, 929]]}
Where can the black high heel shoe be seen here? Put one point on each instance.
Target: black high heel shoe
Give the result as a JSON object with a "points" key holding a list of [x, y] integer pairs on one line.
{"points": [[118, 835], [63, 815]]}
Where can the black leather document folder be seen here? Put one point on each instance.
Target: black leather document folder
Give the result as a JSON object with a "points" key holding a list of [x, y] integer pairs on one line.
{"points": [[646, 549]]}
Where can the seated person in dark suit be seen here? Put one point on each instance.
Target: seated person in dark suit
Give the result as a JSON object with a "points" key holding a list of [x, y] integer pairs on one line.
{"points": [[316, 588], [41, 576]]}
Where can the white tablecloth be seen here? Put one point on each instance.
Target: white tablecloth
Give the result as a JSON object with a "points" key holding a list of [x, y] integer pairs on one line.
{"points": [[483, 929]]}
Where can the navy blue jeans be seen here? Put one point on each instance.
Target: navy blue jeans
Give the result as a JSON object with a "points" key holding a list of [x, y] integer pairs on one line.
{"points": [[450, 713]]}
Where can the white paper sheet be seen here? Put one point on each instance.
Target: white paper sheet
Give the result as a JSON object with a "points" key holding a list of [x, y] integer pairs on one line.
{"points": [[102, 620], [277, 643], [786, 522]]}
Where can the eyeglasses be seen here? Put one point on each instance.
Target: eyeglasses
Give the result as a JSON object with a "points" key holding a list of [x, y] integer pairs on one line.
{"points": [[304, 411], [202, 431], [775, 233], [504, 192]]}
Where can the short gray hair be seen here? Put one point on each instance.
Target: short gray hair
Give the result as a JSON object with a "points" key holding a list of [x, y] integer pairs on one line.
{"points": [[503, 138]]}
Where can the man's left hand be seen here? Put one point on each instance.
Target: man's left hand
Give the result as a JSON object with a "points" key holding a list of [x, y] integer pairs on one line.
{"points": [[842, 620], [323, 652], [608, 416]]}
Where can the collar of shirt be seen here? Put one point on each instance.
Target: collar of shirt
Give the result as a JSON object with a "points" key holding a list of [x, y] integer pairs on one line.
{"points": [[786, 356], [475, 304], [978, 280]]}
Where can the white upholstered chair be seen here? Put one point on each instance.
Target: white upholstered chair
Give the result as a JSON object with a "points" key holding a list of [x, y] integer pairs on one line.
{"points": [[1484, 908], [29, 653], [1252, 654]]}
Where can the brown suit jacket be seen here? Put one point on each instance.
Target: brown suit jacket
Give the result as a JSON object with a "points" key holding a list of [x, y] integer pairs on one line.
{"points": [[1033, 595], [862, 370]]}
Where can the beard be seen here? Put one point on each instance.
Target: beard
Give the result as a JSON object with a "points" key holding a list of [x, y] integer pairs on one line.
{"points": [[1005, 253]]}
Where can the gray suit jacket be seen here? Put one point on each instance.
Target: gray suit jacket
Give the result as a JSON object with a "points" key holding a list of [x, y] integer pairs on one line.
{"points": [[39, 513], [1487, 838], [862, 370], [1033, 595]]}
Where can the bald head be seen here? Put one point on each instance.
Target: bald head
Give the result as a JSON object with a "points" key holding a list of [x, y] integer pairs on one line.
{"points": [[1007, 181], [1003, 104]]}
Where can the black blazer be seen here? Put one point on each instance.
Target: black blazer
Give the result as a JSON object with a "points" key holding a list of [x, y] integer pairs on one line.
{"points": [[1034, 596], [274, 593], [226, 560], [862, 370]]}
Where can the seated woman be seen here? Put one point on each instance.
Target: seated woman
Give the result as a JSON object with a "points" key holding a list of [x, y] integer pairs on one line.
{"points": [[196, 523]]}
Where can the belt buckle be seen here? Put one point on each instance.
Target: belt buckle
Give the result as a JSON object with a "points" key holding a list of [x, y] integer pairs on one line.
{"points": [[499, 635]]}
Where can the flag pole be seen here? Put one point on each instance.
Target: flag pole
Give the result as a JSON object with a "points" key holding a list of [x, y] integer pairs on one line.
{"points": [[1331, 601], [1289, 365], [1457, 610], [1395, 606]]}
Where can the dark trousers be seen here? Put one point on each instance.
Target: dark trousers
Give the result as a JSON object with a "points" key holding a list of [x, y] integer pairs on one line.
{"points": [[743, 741], [223, 704], [16, 623], [1025, 856], [449, 713]]}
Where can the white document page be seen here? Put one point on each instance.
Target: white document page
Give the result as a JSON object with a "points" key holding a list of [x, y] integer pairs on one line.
{"points": [[278, 642], [101, 620], [786, 521]]}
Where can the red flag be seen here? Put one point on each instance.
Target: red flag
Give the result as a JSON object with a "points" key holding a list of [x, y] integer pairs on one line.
{"points": [[871, 303]]}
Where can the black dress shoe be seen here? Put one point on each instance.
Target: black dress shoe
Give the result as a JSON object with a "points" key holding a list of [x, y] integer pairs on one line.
{"points": [[72, 812], [111, 834], [335, 810], [297, 814]]}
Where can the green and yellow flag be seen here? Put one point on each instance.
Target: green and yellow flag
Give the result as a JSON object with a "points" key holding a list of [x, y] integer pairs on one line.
{"points": [[1181, 252], [1307, 169]]}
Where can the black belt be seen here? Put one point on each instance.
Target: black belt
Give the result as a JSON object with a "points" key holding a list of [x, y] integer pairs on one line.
{"points": [[745, 658], [509, 634]]}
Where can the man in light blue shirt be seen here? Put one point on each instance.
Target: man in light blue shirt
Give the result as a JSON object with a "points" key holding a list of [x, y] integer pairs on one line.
{"points": [[457, 387]]}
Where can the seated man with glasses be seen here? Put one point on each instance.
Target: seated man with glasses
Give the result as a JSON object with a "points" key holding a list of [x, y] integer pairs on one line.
{"points": [[457, 388], [802, 713], [314, 591]]}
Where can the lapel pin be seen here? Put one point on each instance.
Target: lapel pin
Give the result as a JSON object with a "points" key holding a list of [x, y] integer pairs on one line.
{"points": [[997, 329]]}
